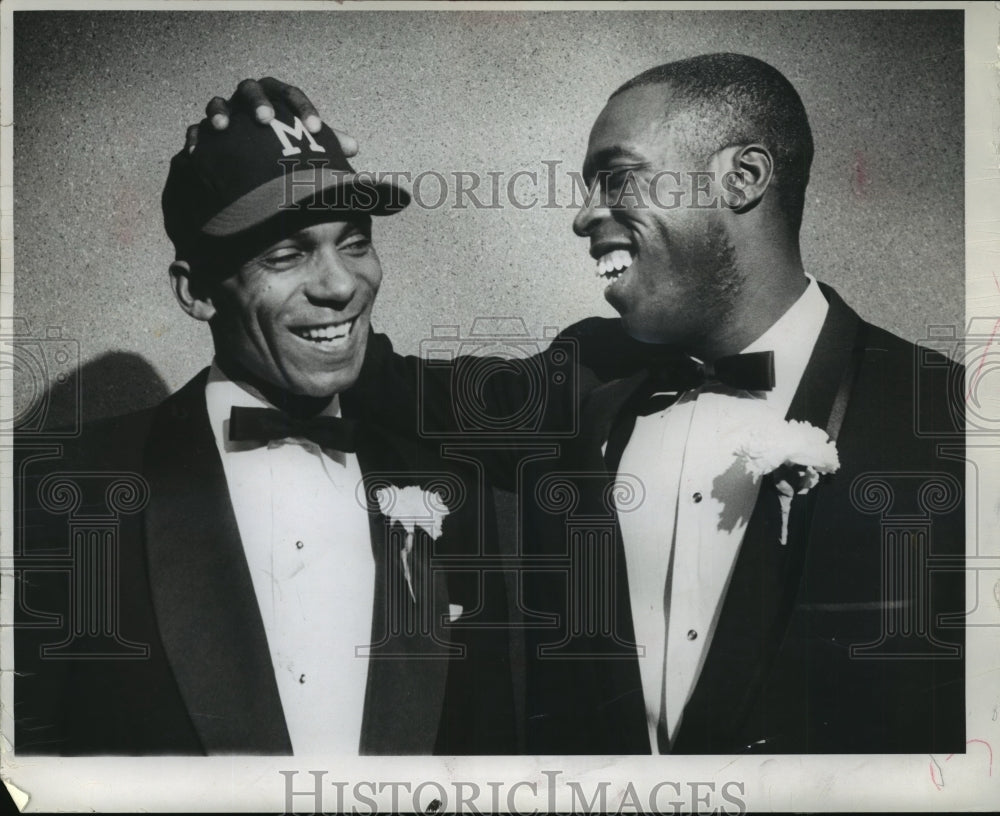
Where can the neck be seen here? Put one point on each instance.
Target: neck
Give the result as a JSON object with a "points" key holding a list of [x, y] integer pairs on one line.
{"points": [[294, 405], [772, 280]]}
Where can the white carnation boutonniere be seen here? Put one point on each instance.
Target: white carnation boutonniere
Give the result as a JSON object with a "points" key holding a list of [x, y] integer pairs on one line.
{"points": [[412, 507], [795, 453]]}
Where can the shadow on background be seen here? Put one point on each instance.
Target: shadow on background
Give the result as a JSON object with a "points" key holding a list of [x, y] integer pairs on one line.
{"points": [[110, 385]]}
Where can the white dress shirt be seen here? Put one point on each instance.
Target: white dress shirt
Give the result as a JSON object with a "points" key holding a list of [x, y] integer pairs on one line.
{"points": [[698, 502], [308, 545]]}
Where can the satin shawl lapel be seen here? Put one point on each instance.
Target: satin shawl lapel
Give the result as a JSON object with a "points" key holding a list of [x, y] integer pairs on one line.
{"points": [[600, 416], [201, 587], [765, 581], [408, 654], [616, 682]]}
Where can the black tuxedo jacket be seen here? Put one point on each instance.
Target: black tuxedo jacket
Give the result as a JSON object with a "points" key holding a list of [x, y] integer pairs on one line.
{"points": [[847, 639], [137, 627]]}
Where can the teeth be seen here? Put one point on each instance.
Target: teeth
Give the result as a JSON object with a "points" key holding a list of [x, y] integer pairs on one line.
{"points": [[334, 332], [613, 263]]}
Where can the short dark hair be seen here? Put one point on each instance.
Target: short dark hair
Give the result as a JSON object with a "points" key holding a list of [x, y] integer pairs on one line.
{"points": [[739, 99]]}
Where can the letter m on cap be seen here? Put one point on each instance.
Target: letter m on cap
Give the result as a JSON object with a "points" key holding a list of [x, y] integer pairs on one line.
{"points": [[299, 132]]}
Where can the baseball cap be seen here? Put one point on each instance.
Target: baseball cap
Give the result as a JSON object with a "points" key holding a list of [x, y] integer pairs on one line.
{"points": [[251, 175]]}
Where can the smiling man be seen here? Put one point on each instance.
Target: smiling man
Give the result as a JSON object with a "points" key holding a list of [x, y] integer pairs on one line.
{"points": [[673, 170], [265, 587], [759, 597]]}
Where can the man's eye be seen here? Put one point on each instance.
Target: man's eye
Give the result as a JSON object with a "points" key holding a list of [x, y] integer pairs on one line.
{"points": [[616, 179], [283, 257], [356, 245]]}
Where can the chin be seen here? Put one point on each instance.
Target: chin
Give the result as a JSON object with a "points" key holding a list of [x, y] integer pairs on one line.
{"points": [[326, 388], [638, 330], [646, 333]]}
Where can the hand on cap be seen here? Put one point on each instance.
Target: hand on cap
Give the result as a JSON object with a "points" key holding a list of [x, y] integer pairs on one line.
{"points": [[256, 95]]}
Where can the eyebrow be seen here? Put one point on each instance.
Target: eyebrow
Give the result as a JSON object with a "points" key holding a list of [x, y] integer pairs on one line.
{"points": [[606, 155], [353, 223]]}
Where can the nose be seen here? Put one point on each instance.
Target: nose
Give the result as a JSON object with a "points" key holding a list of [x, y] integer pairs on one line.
{"points": [[330, 280], [594, 209]]}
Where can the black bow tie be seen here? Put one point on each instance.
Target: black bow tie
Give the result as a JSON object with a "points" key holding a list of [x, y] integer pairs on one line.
{"points": [[266, 424], [752, 372], [672, 373]]}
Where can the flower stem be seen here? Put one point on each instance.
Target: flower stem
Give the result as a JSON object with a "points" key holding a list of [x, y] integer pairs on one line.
{"points": [[786, 509], [404, 557]]}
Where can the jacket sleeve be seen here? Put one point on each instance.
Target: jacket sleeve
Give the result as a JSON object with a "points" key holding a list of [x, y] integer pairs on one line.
{"points": [[509, 405]]}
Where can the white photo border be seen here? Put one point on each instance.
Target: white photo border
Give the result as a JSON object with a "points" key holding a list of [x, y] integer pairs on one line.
{"points": [[816, 783]]}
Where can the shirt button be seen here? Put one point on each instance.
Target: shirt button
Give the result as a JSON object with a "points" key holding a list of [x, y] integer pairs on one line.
{"points": [[692, 634], [299, 545], [696, 497]]}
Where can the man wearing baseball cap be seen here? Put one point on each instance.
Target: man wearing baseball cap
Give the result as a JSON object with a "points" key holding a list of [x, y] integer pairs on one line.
{"points": [[278, 588]]}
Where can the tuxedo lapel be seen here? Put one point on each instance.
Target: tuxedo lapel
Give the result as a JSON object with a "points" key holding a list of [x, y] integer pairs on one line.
{"points": [[606, 420], [607, 417], [408, 656], [762, 591], [826, 384], [201, 586]]}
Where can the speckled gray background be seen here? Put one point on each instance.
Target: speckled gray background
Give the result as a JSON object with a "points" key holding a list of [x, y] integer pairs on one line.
{"points": [[102, 100]]}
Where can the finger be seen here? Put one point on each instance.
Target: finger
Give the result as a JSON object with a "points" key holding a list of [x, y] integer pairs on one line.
{"points": [[347, 143], [217, 111], [296, 99], [191, 138], [303, 107], [253, 96]]}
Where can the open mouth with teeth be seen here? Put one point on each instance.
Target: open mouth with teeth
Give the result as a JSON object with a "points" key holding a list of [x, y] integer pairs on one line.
{"points": [[330, 335], [612, 264]]}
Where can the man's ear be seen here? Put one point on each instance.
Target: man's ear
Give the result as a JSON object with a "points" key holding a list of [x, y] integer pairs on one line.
{"points": [[745, 173], [190, 292]]}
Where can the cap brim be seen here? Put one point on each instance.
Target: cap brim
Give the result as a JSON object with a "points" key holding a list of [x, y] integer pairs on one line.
{"points": [[316, 190]]}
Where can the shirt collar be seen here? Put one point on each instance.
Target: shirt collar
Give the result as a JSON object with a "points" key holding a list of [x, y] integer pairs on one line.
{"points": [[792, 338], [223, 394]]}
